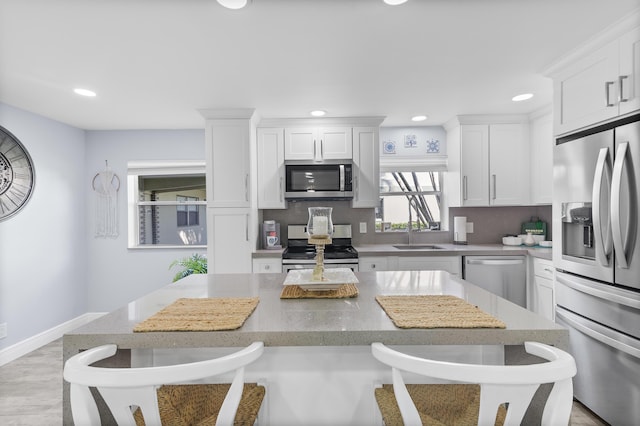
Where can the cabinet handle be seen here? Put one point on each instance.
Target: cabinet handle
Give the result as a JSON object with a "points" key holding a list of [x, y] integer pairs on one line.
{"points": [[607, 85], [356, 188], [548, 270], [314, 150], [321, 151], [464, 188], [246, 227], [246, 187], [373, 266], [281, 192], [494, 178], [621, 80]]}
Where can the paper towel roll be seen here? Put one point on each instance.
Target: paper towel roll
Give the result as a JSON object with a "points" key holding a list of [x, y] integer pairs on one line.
{"points": [[460, 230]]}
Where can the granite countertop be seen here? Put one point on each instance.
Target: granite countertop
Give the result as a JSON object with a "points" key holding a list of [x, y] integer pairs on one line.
{"points": [[446, 250], [316, 322]]}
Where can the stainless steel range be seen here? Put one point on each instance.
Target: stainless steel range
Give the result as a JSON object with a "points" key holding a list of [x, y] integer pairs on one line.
{"points": [[299, 254]]}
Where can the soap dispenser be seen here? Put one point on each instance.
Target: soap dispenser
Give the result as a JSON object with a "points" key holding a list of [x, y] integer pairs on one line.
{"points": [[529, 240]]}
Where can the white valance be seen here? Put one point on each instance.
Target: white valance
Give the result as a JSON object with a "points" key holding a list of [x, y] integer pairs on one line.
{"points": [[432, 163], [165, 167]]}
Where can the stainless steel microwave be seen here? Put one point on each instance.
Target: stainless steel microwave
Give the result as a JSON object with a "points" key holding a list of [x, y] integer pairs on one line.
{"points": [[328, 180]]}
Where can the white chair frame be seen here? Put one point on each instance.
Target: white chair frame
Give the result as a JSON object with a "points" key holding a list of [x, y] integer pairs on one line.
{"points": [[123, 387], [515, 384]]}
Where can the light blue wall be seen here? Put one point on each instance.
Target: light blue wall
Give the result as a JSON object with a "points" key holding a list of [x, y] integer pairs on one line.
{"points": [[52, 268], [43, 253], [117, 275]]}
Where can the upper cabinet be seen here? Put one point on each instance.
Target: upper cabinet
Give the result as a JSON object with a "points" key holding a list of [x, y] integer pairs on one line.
{"points": [[228, 162], [489, 161], [318, 144], [366, 173], [600, 81], [271, 184], [541, 147]]}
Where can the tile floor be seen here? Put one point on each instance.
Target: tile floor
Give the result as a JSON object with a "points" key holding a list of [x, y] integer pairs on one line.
{"points": [[31, 391]]}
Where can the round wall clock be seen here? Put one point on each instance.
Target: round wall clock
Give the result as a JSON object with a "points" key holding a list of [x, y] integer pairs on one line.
{"points": [[17, 175]]}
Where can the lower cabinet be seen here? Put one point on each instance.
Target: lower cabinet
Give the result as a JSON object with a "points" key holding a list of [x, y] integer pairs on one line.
{"points": [[229, 232], [451, 264], [543, 302], [267, 265]]}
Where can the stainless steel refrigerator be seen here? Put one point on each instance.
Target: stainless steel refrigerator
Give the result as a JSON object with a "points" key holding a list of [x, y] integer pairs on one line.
{"points": [[597, 259]]}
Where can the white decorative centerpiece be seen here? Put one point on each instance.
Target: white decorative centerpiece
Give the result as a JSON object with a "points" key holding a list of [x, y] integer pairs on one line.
{"points": [[320, 230]]}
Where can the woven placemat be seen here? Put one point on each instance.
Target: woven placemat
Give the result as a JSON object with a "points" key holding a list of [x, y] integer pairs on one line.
{"points": [[297, 292], [209, 314], [436, 311]]}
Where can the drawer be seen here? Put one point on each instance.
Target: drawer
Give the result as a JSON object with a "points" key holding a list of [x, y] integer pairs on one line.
{"points": [[543, 268]]}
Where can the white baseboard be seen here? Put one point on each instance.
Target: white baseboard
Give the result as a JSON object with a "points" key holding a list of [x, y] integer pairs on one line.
{"points": [[32, 343]]}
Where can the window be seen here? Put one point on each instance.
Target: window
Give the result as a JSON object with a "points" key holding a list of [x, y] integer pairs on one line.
{"points": [[167, 204], [409, 197]]}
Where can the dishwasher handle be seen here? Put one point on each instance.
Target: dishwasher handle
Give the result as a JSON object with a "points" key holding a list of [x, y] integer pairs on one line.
{"points": [[495, 262]]}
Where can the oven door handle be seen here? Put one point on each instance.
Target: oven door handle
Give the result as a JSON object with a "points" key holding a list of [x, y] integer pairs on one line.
{"points": [[575, 322]]}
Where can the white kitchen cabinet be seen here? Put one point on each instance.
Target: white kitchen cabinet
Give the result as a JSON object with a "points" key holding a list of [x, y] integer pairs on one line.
{"points": [[267, 265], [366, 172], [451, 264], [271, 170], [598, 86], [230, 236], [541, 163], [373, 263], [228, 162], [493, 163], [543, 290], [318, 143]]}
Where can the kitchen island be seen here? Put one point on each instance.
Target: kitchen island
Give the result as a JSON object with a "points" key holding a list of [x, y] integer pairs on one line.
{"points": [[317, 364]]}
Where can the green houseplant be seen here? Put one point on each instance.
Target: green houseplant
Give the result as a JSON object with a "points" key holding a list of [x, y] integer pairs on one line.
{"points": [[194, 264]]}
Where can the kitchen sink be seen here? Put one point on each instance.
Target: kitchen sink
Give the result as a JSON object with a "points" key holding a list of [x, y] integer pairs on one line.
{"points": [[417, 247]]}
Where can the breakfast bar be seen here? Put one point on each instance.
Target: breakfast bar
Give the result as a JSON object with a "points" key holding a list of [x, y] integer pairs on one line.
{"points": [[317, 363]]}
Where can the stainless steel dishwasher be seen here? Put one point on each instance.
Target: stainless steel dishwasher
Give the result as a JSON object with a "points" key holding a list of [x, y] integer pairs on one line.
{"points": [[505, 276]]}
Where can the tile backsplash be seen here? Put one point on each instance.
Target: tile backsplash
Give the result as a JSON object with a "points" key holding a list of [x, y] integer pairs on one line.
{"points": [[490, 223]]}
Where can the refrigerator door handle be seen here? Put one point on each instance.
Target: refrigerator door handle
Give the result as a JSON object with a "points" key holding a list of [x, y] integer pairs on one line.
{"points": [[574, 322], [604, 245], [601, 294], [616, 221]]}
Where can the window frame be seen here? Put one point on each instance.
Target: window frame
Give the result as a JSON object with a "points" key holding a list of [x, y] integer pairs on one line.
{"points": [[136, 169], [439, 194]]}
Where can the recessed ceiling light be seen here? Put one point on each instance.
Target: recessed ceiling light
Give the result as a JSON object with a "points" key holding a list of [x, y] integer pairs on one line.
{"points": [[233, 4], [419, 118], [318, 113], [84, 92], [394, 2], [522, 97]]}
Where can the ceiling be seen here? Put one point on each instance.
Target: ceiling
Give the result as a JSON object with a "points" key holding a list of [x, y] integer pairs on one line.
{"points": [[154, 63]]}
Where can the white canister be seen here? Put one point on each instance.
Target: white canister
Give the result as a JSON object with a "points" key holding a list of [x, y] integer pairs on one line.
{"points": [[459, 230]]}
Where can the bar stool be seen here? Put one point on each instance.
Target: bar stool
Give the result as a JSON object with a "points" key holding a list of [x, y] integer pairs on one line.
{"points": [[152, 396], [490, 394]]}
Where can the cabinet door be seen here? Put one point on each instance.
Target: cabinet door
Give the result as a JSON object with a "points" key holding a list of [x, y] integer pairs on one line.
{"points": [[335, 144], [450, 264], [585, 92], [271, 168], [474, 164], [228, 163], [229, 249], [508, 164], [629, 79], [300, 143], [541, 163], [366, 173]]}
